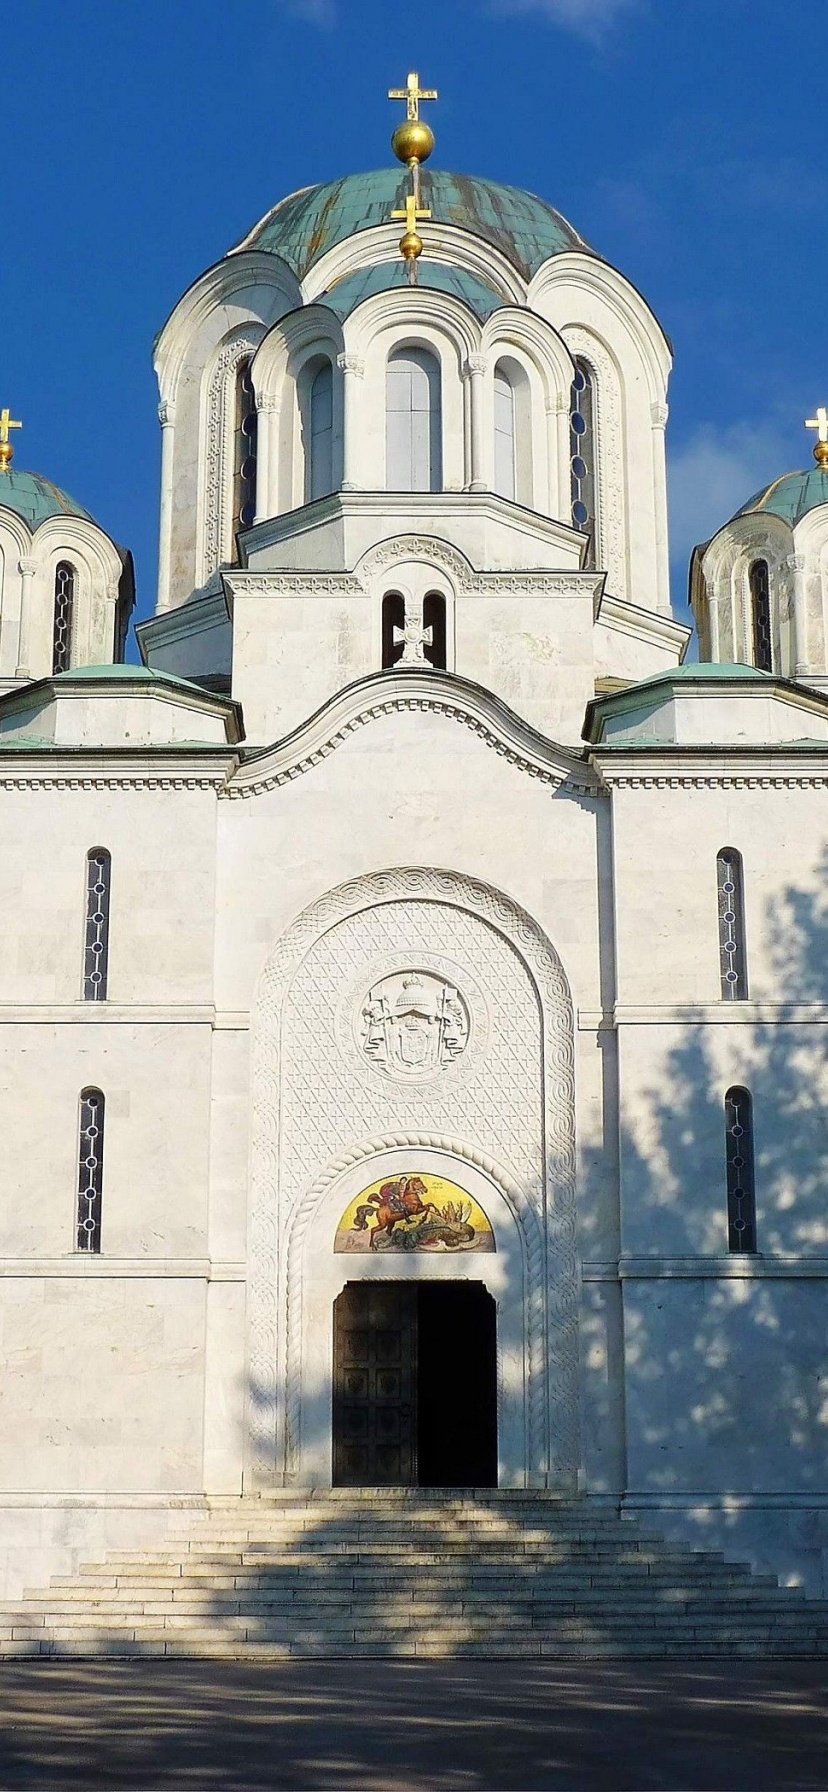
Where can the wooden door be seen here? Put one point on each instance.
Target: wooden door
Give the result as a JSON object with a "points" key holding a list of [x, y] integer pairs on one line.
{"points": [[375, 1385]]}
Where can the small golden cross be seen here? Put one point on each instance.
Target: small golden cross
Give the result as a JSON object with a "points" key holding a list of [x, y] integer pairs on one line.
{"points": [[413, 212], [820, 424], [413, 93], [7, 422]]}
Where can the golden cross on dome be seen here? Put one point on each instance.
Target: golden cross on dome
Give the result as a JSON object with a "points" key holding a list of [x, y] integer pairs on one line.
{"points": [[820, 424], [413, 93], [411, 245], [7, 422]]}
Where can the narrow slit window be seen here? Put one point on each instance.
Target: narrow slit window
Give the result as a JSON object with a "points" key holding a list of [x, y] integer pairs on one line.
{"points": [[434, 618], [760, 615], [732, 955], [741, 1193], [393, 617], [64, 617], [90, 1170], [320, 447], [582, 456], [96, 944], [244, 452]]}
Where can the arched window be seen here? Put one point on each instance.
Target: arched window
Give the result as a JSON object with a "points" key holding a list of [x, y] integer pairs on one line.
{"points": [[732, 955], [90, 1170], [505, 473], [741, 1193], [96, 945], [244, 452], [319, 479], [393, 617], [760, 615], [434, 618], [413, 422], [64, 614], [582, 455]]}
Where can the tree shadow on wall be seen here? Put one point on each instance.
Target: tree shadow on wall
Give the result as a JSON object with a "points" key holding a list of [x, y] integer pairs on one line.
{"points": [[727, 1373]]}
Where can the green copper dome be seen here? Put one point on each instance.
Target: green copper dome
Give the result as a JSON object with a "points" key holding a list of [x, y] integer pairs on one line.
{"points": [[792, 496], [344, 297], [307, 224], [35, 498]]}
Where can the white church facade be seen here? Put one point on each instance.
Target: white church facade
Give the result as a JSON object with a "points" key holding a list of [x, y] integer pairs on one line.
{"points": [[413, 981]]}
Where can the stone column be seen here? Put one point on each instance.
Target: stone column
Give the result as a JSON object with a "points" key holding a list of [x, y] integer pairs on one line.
{"points": [[27, 569], [557, 455], [166, 418], [267, 456], [659, 412], [801, 663], [352, 369], [474, 372]]}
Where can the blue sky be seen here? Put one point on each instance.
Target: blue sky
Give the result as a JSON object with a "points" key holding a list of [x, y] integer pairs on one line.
{"points": [[683, 138]]}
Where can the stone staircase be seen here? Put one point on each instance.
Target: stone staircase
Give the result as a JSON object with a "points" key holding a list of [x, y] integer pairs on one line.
{"points": [[392, 1572]]}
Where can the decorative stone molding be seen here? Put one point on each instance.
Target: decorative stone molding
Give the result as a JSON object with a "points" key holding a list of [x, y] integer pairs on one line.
{"points": [[301, 1146], [659, 413], [474, 367], [796, 562], [127, 780], [352, 364], [27, 566], [166, 413], [267, 402], [218, 456], [360, 705]]}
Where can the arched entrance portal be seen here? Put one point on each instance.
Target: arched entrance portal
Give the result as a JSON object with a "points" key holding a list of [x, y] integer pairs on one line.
{"points": [[415, 1385]]}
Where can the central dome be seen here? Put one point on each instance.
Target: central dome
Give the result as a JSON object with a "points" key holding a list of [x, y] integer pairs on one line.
{"points": [[307, 224]]}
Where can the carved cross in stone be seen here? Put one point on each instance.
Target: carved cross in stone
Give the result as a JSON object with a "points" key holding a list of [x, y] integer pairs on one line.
{"points": [[414, 637]]}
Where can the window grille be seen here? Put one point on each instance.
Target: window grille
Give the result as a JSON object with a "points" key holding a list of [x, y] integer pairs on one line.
{"points": [[90, 1170], [434, 617], [504, 433], [582, 455], [741, 1195], [320, 457], [760, 610], [96, 946], [244, 451], [732, 956], [393, 616], [413, 422], [63, 617]]}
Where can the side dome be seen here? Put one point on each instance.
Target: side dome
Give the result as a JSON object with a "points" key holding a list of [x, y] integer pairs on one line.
{"points": [[790, 497], [304, 226], [35, 499]]}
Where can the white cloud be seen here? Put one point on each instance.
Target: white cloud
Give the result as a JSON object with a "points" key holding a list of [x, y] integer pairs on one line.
{"points": [[590, 17], [316, 12], [713, 474]]}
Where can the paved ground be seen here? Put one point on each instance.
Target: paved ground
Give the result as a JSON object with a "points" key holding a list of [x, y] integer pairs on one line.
{"points": [[381, 1726]]}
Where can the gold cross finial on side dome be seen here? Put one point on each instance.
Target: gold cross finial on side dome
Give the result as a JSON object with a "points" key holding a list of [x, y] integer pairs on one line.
{"points": [[820, 424], [7, 422], [413, 93]]}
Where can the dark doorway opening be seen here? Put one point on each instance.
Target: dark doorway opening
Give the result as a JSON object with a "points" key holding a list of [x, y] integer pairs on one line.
{"points": [[415, 1385]]}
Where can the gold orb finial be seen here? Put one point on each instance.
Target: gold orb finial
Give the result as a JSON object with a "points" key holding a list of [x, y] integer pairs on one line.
{"points": [[7, 422], [820, 424], [413, 142]]}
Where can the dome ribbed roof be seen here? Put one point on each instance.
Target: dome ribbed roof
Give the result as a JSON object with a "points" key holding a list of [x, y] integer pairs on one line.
{"points": [[792, 496], [307, 224], [35, 498]]}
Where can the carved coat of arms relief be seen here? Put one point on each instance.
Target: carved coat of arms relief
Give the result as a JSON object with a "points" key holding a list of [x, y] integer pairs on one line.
{"points": [[413, 1024]]}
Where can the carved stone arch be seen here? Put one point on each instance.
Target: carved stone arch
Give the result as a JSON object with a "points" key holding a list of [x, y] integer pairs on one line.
{"points": [[217, 435], [536, 1174], [429, 548], [726, 570]]}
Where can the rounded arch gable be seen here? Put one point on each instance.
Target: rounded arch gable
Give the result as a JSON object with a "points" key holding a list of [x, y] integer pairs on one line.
{"points": [[508, 1103]]}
